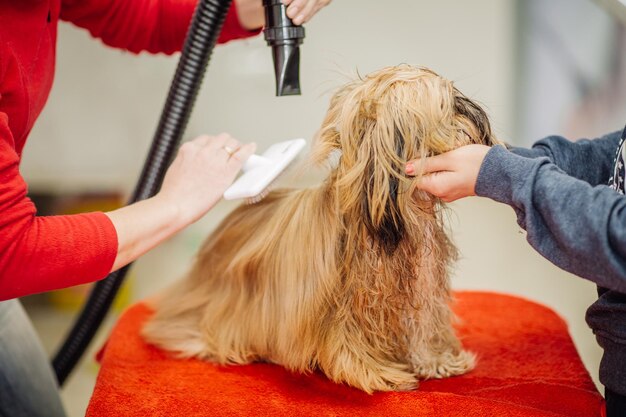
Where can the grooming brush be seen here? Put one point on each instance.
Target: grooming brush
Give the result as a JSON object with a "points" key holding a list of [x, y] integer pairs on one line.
{"points": [[261, 171]]}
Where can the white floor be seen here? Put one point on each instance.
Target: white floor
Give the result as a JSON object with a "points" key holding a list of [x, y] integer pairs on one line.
{"points": [[495, 257]]}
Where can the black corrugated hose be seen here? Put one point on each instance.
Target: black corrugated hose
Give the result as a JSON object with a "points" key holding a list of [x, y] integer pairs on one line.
{"points": [[201, 38]]}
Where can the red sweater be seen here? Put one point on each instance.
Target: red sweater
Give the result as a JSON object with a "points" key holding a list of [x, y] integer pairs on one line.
{"points": [[44, 253]]}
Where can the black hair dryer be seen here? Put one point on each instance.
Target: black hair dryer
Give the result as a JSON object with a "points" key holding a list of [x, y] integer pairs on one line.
{"points": [[285, 38]]}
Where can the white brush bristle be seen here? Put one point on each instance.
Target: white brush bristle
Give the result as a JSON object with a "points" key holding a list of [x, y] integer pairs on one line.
{"points": [[260, 196]]}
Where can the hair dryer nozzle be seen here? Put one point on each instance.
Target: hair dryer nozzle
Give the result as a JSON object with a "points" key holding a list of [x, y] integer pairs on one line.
{"points": [[287, 69], [285, 39]]}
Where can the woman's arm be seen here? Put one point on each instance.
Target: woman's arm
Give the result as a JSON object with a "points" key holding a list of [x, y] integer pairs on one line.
{"points": [[44, 253], [40, 254], [161, 26], [145, 25]]}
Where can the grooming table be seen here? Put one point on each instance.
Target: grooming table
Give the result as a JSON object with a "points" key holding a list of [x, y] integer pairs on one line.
{"points": [[527, 366]]}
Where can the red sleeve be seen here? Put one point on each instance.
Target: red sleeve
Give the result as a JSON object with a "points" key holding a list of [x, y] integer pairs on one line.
{"points": [[138, 25], [39, 254]]}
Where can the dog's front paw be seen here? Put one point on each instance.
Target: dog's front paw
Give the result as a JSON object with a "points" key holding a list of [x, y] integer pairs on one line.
{"points": [[384, 379], [369, 375], [446, 365]]}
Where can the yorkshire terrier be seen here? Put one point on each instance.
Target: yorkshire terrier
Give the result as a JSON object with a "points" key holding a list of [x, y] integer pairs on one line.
{"points": [[350, 277]]}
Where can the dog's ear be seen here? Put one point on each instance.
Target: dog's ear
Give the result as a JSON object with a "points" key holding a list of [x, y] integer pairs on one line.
{"points": [[387, 229], [473, 120]]}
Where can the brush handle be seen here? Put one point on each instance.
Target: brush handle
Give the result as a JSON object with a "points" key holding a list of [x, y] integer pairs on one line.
{"points": [[254, 161]]}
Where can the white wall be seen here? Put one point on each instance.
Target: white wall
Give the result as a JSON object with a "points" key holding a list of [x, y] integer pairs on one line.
{"points": [[573, 62], [102, 113]]}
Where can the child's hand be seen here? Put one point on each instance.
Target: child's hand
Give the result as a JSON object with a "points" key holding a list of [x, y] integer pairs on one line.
{"points": [[451, 175]]}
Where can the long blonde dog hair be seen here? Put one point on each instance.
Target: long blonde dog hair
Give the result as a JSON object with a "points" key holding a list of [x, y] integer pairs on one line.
{"points": [[349, 277]]}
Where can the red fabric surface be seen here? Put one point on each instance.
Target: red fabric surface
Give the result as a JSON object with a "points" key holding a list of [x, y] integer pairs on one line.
{"points": [[527, 366], [44, 253]]}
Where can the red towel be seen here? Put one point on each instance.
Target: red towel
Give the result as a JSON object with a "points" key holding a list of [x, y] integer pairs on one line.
{"points": [[527, 366]]}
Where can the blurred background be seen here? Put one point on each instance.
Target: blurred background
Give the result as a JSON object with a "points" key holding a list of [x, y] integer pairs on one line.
{"points": [[539, 67]]}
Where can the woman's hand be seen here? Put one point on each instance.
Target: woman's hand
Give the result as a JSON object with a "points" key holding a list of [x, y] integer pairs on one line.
{"points": [[252, 16], [451, 175], [201, 172], [301, 11], [193, 184]]}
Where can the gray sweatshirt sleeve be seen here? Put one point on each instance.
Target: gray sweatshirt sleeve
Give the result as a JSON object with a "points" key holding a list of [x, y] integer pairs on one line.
{"points": [[588, 160], [577, 226]]}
